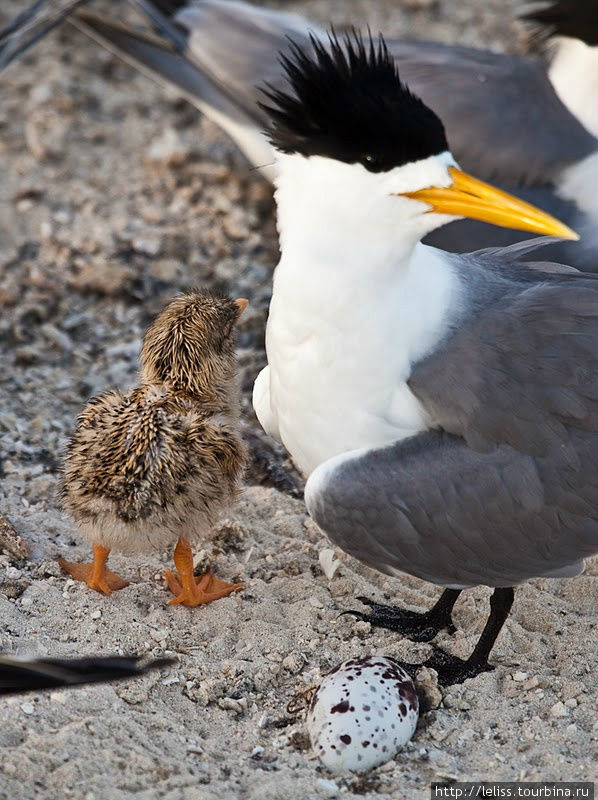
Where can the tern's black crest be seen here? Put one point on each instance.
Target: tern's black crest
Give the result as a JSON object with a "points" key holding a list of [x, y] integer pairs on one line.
{"points": [[346, 102], [575, 18]]}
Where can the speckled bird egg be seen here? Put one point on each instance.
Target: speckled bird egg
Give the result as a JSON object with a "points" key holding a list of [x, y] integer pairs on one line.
{"points": [[362, 714]]}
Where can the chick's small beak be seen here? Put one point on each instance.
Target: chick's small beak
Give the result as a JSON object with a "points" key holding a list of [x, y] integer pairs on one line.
{"points": [[470, 197], [241, 304]]}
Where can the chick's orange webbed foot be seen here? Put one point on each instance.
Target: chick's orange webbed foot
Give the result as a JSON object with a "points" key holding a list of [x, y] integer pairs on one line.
{"points": [[96, 575], [199, 591], [192, 591]]}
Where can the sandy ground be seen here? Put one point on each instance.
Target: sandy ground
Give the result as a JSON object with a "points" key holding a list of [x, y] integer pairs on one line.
{"points": [[114, 195]]}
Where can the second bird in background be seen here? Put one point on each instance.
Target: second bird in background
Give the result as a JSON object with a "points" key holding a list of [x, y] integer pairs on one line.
{"points": [[527, 123]]}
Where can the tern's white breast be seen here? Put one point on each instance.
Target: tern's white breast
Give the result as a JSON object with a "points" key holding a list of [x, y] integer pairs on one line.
{"points": [[340, 351]]}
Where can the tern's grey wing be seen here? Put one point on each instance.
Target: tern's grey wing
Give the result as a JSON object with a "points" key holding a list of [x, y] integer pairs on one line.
{"points": [[507, 487], [432, 507], [238, 45], [521, 371], [503, 117]]}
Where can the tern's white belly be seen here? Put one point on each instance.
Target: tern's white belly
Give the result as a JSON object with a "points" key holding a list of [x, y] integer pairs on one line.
{"points": [[330, 402]]}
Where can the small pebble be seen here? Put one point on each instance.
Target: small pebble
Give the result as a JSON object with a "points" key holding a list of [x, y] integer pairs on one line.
{"points": [[362, 627], [427, 683], [293, 662], [559, 710], [327, 788], [328, 562], [530, 684], [13, 572], [27, 708], [168, 148]]}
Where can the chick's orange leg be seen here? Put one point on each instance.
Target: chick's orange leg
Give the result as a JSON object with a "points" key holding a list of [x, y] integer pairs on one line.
{"points": [[192, 591], [96, 575]]}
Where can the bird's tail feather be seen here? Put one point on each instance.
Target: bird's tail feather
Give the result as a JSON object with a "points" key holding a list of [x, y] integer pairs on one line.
{"points": [[161, 61], [31, 25], [156, 59], [50, 673]]}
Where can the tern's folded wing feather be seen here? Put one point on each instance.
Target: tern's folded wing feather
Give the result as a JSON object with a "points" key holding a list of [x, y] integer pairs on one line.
{"points": [[431, 507], [155, 57], [522, 372], [252, 39]]}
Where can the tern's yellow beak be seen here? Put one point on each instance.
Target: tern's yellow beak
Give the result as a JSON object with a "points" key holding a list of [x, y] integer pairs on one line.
{"points": [[469, 197]]}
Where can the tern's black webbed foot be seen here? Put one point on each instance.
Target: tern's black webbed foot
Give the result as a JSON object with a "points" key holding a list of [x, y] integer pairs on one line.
{"points": [[419, 627], [451, 669]]}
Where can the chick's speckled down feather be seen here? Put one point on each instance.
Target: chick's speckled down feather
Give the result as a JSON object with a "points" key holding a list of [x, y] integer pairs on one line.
{"points": [[148, 466], [163, 460]]}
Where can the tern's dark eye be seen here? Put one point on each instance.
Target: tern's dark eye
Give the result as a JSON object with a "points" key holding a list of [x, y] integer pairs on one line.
{"points": [[372, 162]]}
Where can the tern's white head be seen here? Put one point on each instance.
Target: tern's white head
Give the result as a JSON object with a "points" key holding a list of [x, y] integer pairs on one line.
{"points": [[364, 160]]}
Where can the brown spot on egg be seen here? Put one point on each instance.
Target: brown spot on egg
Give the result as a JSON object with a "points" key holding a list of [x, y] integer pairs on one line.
{"points": [[345, 738], [407, 691], [340, 708]]}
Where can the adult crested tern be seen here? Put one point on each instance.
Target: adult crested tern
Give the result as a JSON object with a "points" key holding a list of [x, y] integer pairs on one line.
{"points": [[444, 407], [526, 123]]}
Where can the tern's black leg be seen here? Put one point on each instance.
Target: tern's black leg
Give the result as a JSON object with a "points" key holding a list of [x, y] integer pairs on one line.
{"points": [[418, 627], [451, 669]]}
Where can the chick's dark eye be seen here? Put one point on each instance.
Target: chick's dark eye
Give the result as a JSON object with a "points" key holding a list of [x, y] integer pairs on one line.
{"points": [[372, 162]]}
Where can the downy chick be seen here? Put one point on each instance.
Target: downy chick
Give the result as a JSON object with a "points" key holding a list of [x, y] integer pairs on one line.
{"points": [[161, 463]]}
